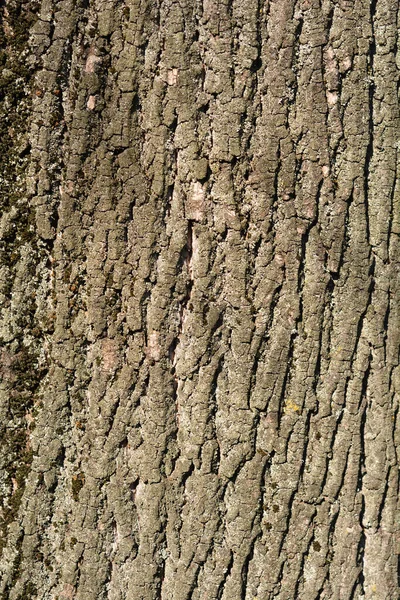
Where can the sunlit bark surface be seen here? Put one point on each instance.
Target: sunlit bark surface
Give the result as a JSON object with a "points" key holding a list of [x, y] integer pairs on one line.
{"points": [[199, 287]]}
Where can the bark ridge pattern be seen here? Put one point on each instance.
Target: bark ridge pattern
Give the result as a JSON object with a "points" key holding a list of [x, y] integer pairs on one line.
{"points": [[199, 286]]}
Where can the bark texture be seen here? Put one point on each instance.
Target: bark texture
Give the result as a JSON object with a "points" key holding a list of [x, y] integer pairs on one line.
{"points": [[200, 299]]}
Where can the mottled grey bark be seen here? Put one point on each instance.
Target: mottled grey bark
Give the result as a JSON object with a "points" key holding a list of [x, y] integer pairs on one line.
{"points": [[200, 299]]}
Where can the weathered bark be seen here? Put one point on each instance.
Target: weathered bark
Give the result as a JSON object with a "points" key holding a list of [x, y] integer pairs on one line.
{"points": [[200, 299]]}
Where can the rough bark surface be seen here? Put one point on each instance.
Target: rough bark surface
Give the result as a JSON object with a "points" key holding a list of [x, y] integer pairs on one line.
{"points": [[200, 299]]}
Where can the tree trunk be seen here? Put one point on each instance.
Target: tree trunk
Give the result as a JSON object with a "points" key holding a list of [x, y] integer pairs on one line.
{"points": [[200, 299]]}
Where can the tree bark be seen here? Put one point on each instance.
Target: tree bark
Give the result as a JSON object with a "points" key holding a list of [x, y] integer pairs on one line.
{"points": [[200, 299]]}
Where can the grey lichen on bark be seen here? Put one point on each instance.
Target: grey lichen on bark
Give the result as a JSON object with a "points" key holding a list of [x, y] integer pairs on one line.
{"points": [[199, 277]]}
